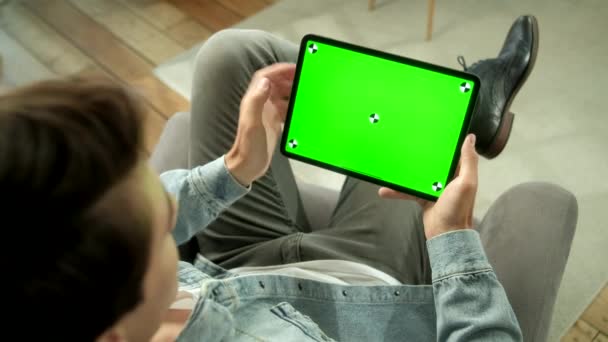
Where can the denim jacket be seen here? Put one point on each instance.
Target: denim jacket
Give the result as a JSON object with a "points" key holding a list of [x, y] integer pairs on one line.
{"points": [[464, 303]]}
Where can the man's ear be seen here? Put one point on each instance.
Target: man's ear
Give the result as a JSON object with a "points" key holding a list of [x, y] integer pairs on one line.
{"points": [[114, 334]]}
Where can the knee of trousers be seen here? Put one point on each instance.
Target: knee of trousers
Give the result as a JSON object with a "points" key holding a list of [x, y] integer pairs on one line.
{"points": [[229, 48]]}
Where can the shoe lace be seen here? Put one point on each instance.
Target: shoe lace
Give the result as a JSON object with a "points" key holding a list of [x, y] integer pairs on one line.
{"points": [[463, 63]]}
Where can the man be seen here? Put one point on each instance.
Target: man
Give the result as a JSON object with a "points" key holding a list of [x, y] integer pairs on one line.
{"points": [[91, 229]]}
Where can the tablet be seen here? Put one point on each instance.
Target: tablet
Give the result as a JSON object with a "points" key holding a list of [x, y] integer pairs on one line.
{"points": [[382, 118]]}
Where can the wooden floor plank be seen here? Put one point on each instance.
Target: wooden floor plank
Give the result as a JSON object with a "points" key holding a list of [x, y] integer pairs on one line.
{"points": [[581, 331], [245, 8], [189, 33], [91, 38], [177, 25], [158, 13], [173, 22], [108, 52], [19, 66], [209, 13], [597, 314], [50, 48], [601, 338], [136, 32], [604, 293]]}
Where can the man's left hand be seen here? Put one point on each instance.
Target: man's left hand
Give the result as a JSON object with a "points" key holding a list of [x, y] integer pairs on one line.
{"points": [[263, 110]]}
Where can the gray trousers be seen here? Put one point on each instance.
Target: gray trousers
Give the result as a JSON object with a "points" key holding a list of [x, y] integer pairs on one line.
{"points": [[526, 233]]}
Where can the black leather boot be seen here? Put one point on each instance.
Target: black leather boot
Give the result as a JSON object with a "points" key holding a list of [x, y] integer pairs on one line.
{"points": [[501, 79]]}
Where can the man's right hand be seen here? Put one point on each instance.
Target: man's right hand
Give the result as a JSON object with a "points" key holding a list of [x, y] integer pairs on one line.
{"points": [[454, 208], [262, 111]]}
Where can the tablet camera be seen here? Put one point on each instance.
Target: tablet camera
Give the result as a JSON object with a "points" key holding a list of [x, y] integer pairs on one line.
{"points": [[293, 143], [374, 118], [465, 87], [437, 186], [312, 48]]}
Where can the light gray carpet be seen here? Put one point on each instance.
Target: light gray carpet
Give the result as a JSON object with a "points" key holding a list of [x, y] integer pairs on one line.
{"points": [[559, 131]]}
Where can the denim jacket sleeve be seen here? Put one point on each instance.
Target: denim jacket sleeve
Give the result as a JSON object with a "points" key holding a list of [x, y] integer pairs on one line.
{"points": [[202, 193], [470, 303]]}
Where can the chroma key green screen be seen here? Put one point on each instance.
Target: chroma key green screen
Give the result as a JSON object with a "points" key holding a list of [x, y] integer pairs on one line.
{"points": [[386, 119]]}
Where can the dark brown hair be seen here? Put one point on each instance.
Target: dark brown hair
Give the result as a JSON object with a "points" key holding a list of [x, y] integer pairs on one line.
{"points": [[75, 251]]}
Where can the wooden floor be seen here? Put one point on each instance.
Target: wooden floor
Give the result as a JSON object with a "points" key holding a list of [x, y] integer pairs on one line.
{"points": [[120, 39], [125, 39], [593, 323]]}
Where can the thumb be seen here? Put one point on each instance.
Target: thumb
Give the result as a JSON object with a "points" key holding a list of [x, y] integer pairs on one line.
{"points": [[469, 160], [257, 96]]}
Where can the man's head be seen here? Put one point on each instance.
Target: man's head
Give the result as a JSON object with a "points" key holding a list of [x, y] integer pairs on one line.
{"points": [[87, 251]]}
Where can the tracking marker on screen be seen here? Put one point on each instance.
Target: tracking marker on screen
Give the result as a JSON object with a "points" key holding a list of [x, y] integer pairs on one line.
{"points": [[312, 48], [293, 143], [437, 186], [465, 87], [374, 118]]}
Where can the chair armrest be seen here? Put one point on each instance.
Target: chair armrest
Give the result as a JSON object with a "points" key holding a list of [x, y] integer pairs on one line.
{"points": [[171, 152]]}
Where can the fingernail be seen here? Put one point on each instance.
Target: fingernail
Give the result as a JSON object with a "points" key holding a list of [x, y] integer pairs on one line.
{"points": [[263, 84], [472, 139]]}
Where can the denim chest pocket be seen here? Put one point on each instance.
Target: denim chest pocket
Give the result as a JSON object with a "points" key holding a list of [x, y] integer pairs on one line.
{"points": [[300, 323]]}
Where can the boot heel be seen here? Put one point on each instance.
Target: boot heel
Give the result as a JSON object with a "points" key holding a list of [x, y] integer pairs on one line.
{"points": [[502, 136]]}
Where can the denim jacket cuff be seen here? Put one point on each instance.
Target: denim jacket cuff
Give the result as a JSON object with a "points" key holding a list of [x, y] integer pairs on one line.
{"points": [[214, 179], [457, 253]]}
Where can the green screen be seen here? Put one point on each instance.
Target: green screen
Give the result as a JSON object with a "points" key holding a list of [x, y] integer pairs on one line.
{"points": [[389, 122]]}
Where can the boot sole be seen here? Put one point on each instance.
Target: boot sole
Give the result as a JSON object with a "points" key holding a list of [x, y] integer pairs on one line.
{"points": [[506, 123]]}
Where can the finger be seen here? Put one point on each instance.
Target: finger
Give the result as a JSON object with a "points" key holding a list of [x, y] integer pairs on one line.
{"points": [[390, 193], [281, 107], [277, 72], [255, 98], [393, 194], [282, 86], [277, 111], [281, 90], [457, 172], [469, 160]]}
